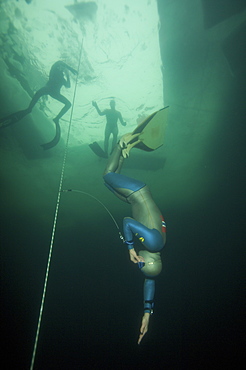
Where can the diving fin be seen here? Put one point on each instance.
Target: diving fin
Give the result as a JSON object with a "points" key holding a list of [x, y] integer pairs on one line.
{"points": [[152, 130], [13, 118], [95, 147], [56, 139]]}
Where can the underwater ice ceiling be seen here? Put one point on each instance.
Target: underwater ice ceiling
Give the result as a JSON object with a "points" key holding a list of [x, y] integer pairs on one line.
{"points": [[113, 44]]}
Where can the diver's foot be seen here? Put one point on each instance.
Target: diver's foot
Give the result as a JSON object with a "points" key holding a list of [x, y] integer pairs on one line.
{"points": [[126, 151], [127, 139]]}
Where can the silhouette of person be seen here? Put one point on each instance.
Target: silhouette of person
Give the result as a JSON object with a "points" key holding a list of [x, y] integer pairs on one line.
{"points": [[58, 77], [112, 116]]}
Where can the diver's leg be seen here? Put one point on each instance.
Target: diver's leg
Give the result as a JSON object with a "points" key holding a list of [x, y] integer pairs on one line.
{"points": [[106, 138], [115, 135], [65, 101], [120, 185], [37, 96], [12, 118], [17, 116], [115, 161]]}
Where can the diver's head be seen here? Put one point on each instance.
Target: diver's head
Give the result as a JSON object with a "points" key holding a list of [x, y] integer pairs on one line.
{"points": [[112, 104], [152, 263]]}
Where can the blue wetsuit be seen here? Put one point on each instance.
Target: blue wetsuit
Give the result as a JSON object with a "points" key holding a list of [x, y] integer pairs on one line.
{"points": [[147, 223]]}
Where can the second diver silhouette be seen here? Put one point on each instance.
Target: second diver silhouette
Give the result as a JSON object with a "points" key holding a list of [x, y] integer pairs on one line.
{"points": [[58, 77], [152, 132]]}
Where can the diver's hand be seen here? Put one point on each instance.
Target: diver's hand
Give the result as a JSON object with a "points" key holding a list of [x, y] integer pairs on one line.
{"points": [[67, 82], [94, 104], [144, 326], [134, 257], [124, 123], [66, 72]]}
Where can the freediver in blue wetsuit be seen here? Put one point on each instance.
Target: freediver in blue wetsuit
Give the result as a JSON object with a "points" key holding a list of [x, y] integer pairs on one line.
{"points": [[147, 223]]}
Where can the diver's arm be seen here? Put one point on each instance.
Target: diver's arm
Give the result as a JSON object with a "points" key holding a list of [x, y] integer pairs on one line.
{"points": [[149, 292], [74, 72], [97, 108], [130, 243], [128, 232], [66, 66], [134, 257], [121, 119], [144, 326]]}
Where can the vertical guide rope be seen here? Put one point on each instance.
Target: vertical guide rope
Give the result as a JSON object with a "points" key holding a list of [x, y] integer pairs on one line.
{"points": [[54, 223]]}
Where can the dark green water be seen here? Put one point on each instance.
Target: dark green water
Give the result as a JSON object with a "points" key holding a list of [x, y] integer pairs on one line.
{"points": [[93, 305]]}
